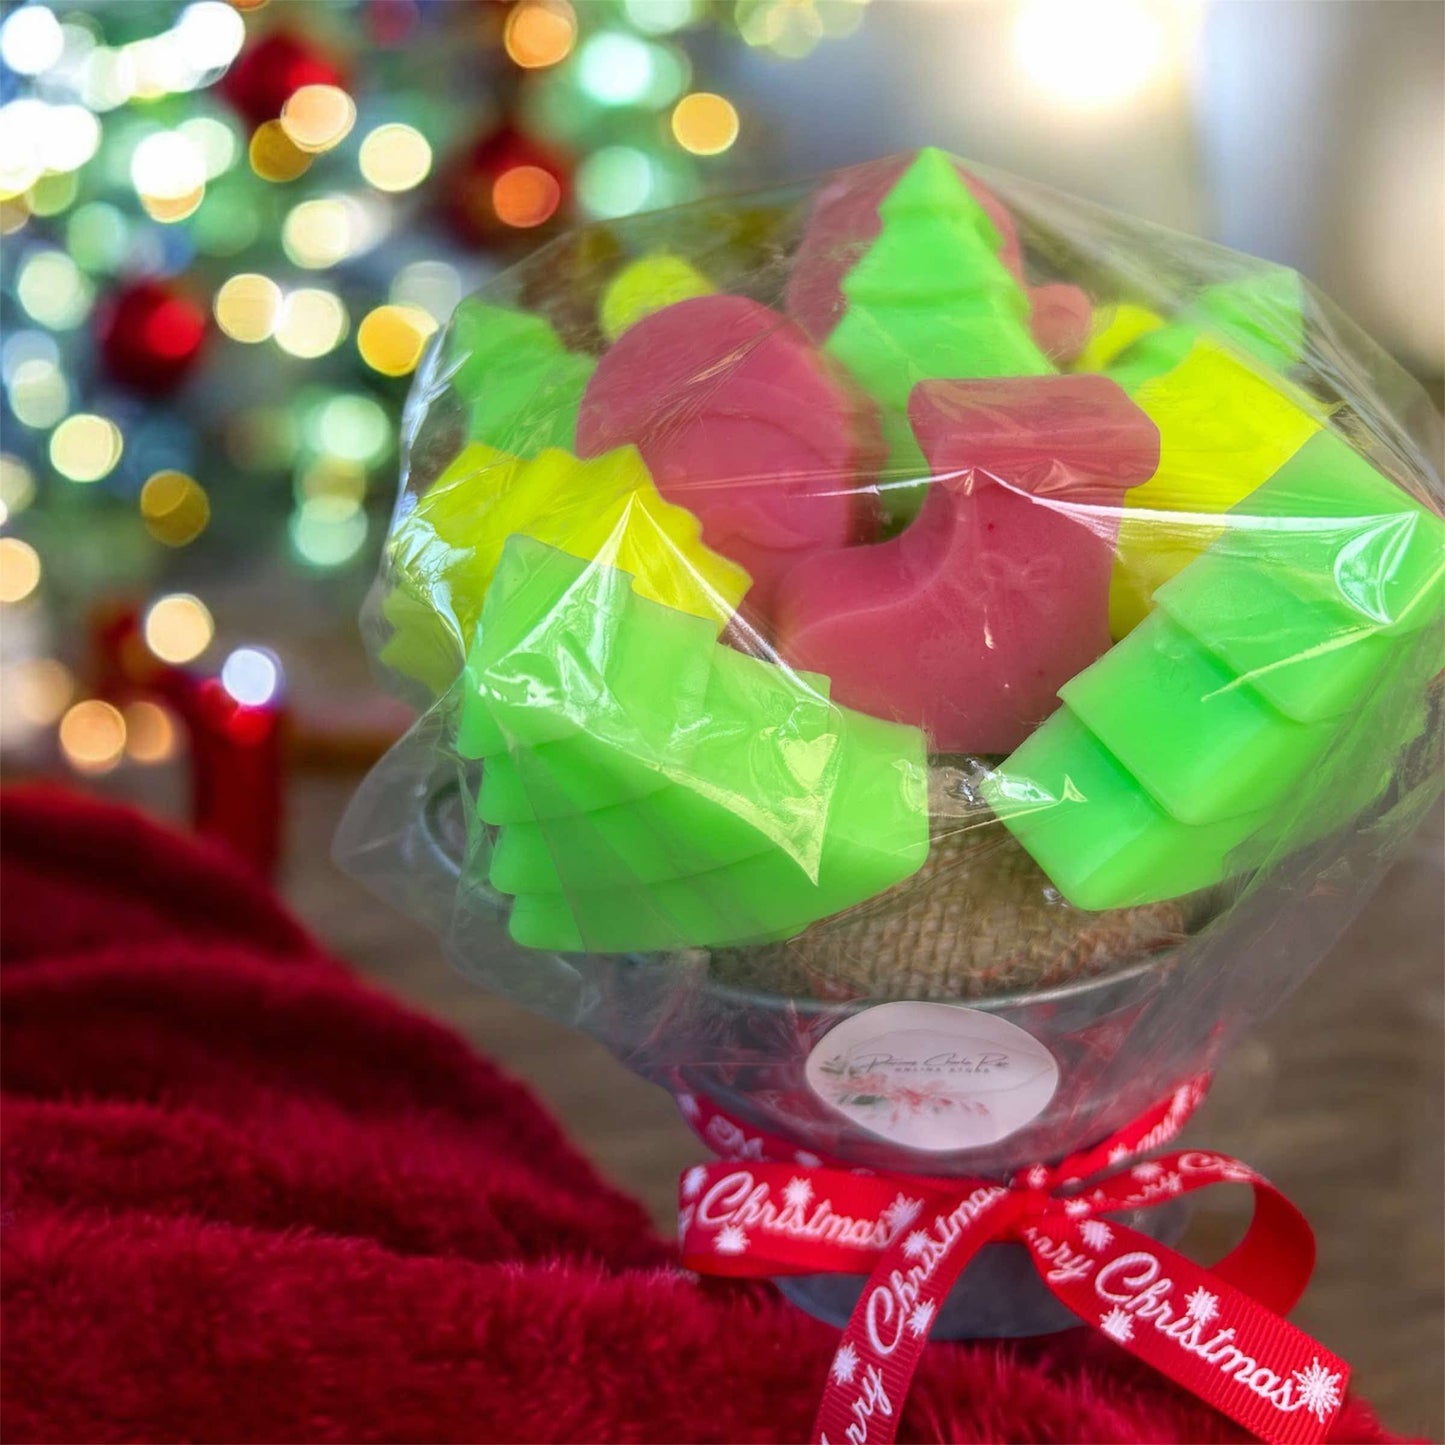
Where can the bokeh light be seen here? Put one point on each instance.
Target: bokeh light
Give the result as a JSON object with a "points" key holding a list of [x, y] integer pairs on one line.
{"points": [[333, 477], [97, 236], [92, 736], [31, 40], [248, 306], [52, 194], [274, 156], [327, 531], [174, 507], [614, 68], [391, 339], [68, 138], [434, 286], [150, 734], [167, 167], [661, 17], [17, 485], [395, 157], [251, 675], [312, 323], [21, 122], [19, 569], [704, 123], [526, 196], [318, 117], [210, 33], [53, 290], [615, 181], [540, 33], [38, 394], [217, 143], [178, 628], [319, 233], [1089, 55], [85, 447], [352, 428], [41, 688]]}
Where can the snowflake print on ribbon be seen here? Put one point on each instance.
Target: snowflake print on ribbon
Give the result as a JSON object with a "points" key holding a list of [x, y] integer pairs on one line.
{"points": [[730, 1240], [900, 1214], [1119, 1153], [1037, 1177], [1117, 1325], [1096, 1234], [1146, 1171], [684, 1218], [1319, 1390], [1171, 1183], [688, 1104], [920, 1320], [693, 1180], [1202, 1306], [798, 1193], [1077, 1208], [915, 1244], [845, 1363], [806, 1160]]}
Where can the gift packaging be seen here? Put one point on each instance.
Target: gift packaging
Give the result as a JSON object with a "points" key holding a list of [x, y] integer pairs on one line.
{"points": [[916, 661]]}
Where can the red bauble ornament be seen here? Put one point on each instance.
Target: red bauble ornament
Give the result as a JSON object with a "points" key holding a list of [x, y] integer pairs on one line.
{"points": [[270, 70], [150, 335], [504, 187]]}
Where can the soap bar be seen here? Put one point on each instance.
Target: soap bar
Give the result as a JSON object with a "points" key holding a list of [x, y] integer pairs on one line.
{"points": [[771, 807], [968, 622], [446, 550], [740, 422], [521, 385], [929, 299], [1202, 741]]}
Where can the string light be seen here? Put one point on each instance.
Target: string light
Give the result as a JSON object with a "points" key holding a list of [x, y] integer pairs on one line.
{"points": [[19, 569], [395, 157], [178, 628], [312, 323], [540, 33], [92, 736], [526, 196], [274, 156], [43, 689], [85, 447], [704, 123], [150, 735], [318, 117], [174, 507], [391, 339], [248, 306], [251, 675]]}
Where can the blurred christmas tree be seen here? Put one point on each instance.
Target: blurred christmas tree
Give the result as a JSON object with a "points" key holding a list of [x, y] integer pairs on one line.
{"points": [[230, 229]]}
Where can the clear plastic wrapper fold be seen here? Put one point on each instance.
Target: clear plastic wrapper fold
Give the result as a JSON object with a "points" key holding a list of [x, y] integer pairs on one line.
{"points": [[912, 585]]}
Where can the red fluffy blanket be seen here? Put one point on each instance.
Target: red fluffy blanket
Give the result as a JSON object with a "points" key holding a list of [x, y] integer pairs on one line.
{"points": [[245, 1198]]}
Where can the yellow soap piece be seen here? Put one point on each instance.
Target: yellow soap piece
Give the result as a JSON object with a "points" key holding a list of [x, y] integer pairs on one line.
{"points": [[647, 285], [1224, 430], [607, 509], [1116, 328]]}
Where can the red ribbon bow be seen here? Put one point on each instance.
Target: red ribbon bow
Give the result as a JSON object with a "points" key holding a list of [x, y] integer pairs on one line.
{"points": [[770, 1210]]}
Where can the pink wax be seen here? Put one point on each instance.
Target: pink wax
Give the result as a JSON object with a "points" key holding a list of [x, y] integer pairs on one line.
{"points": [[845, 221], [741, 421], [969, 621]]}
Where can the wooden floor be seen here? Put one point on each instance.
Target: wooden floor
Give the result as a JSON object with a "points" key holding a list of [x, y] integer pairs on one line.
{"points": [[1337, 1100]]}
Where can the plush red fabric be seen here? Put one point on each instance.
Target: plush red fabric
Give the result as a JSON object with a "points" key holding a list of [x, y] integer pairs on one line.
{"points": [[245, 1198]]}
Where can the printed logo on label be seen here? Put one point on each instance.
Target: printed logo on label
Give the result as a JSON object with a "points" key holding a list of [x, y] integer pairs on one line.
{"points": [[933, 1076]]}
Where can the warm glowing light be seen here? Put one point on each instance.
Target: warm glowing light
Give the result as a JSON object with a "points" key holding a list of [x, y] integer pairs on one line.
{"points": [[354, 428], [328, 531], [525, 196], [333, 478], [108, 79], [615, 69], [704, 123], [210, 33], [17, 486], [312, 323], [391, 339], [92, 736], [52, 194], [150, 735], [214, 139], [31, 40], [318, 117], [53, 290], [615, 181], [1089, 52], [14, 210], [251, 675], [19, 569], [38, 394], [21, 122], [248, 306], [274, 156], [69, 137], [85, 447], [174, 507], [320, 233], [167, 166], [43, 689], [540, 33], [178, 628], [395, 157]]}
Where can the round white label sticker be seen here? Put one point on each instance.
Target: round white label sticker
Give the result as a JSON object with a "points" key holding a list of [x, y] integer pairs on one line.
{"points": [[933, 1076]]}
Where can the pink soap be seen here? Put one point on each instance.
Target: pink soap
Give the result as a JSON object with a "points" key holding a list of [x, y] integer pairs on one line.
{"points": [[969, 621], [844, 222], [741, 421]]}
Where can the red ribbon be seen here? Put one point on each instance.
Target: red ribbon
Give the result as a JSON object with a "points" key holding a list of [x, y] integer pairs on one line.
{"points": [[771, 1210]]}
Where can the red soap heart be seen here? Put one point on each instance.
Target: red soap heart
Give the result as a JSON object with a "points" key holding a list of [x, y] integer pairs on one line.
{"points": [[740, 421], [968, 622]]}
